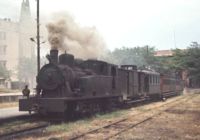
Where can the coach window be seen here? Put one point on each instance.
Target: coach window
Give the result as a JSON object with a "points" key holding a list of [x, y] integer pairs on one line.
{"points": [[149, 79], [102, 68], [114, 73], [153, 80], [157, 80]]}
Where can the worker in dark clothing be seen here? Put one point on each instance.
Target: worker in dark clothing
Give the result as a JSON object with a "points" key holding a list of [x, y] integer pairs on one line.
{"points": [[26, 91]]}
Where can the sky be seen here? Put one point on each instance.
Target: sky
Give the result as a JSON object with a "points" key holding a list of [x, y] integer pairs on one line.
{"points": [[165, 24]]}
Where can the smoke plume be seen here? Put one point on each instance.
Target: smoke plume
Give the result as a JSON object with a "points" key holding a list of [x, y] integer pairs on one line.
{"points": [[67, 35]]}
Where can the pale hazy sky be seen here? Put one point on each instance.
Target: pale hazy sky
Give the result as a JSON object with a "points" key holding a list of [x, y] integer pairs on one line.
{"points": [[126, 22]]}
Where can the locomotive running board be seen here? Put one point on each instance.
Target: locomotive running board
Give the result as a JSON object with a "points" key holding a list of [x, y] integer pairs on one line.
{"points": [[136, 101]]}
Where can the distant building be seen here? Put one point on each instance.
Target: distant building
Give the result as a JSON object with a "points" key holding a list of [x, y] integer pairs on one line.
{"points": [[9, 44], [15, 40], [188, 81], [164, 53]]}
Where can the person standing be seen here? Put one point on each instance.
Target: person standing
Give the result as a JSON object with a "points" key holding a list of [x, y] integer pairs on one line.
{"points": [[26, 91]]}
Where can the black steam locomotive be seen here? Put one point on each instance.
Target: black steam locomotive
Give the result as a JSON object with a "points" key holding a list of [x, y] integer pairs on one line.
{"points": [[66, 85]]}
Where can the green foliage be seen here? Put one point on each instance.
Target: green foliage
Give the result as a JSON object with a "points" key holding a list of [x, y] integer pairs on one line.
{"points": [[140, 56], [192, 60], [165, 64], [4, 72], [188, 59], [178, 59]]}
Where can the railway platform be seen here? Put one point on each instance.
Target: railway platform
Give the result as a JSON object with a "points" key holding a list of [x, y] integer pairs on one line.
{"points": [[10, 97], [11, 112]]}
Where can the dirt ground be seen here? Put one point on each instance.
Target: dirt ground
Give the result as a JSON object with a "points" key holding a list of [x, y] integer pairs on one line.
{"points": [[178, 123], [181, 121]]}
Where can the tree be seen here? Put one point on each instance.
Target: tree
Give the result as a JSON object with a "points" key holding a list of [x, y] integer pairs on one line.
{"points": [[168, 64], [192, 60], [187, 60], [4, 72], [140, 56], [27, 70]]}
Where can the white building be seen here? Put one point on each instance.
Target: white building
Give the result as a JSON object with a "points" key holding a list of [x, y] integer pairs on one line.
{"points": [[15, 41]]}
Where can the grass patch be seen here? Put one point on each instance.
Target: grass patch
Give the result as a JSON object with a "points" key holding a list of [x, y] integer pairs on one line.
{"points": [[85, 123], [111, 114], [66, 127]]}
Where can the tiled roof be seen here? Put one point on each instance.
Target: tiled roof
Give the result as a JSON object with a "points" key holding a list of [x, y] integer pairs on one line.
{"points": [[164, 53]]}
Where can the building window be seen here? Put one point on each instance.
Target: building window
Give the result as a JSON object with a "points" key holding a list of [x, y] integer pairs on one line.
{"points": [[3, 63], [2, 35], [2, 82], [3, 49]]}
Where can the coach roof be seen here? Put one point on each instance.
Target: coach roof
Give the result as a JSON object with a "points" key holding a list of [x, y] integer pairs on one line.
{"points": [[149, 72]]}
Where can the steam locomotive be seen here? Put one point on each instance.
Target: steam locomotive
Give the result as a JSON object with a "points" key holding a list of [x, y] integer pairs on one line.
{"points": [[66, 85]]}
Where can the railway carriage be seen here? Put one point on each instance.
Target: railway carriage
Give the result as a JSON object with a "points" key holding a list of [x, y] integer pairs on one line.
{"points": [[170, 85], [179, 85], [127, 81], [149, 83]]}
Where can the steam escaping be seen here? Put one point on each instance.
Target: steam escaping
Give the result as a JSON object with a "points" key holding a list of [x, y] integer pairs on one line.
{"points": [[67, 35]]}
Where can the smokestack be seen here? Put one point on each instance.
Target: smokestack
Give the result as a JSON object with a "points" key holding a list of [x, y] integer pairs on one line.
{"points": [[54, 56]]}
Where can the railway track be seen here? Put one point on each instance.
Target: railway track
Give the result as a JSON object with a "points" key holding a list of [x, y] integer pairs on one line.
{"points": [[14, 127], [113, 129], [22, 132], [11, 119]]}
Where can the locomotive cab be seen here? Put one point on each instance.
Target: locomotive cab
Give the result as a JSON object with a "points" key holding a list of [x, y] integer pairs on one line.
{"points": [[102, 83], [99, 67]]}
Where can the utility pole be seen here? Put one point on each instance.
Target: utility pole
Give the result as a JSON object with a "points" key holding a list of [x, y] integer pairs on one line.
{"points": [[147, 50], [38, 36], [174, 39]]}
